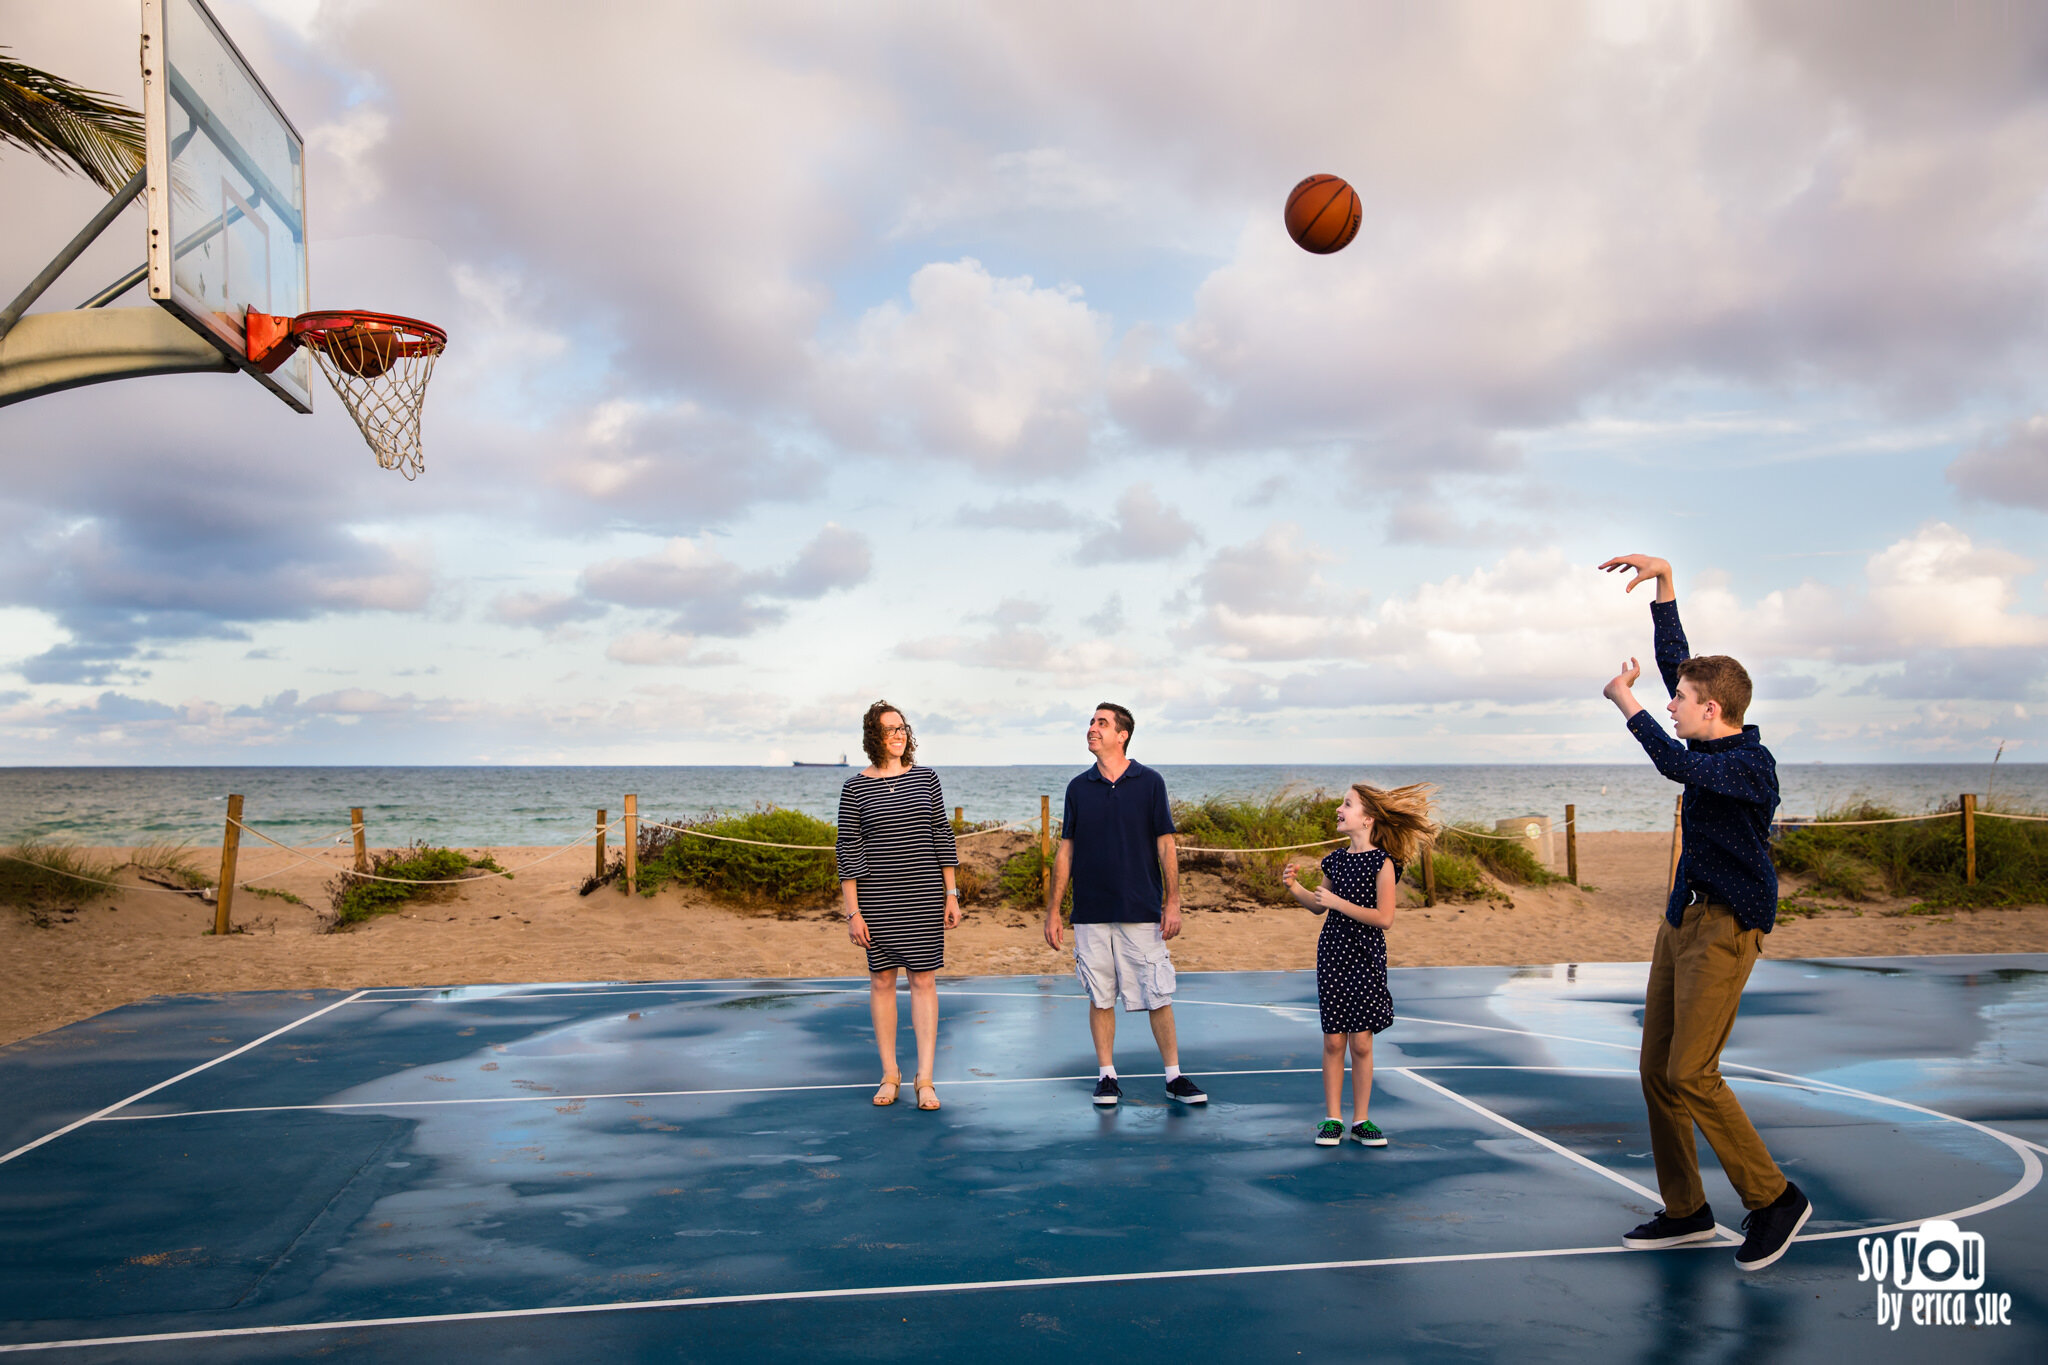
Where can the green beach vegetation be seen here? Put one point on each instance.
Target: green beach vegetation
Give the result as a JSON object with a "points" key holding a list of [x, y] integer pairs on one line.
{"points": [[746, 874], [355, 898], [1923, 861], [39, 878]]}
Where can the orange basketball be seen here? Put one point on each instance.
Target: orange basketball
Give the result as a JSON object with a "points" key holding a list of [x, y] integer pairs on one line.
{"points": [[365, 350], [1323, 214]]}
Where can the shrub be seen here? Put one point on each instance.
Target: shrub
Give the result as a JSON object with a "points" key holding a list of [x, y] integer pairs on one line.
{"points": [[972, 881], [741, 872], [1022, 879], [1923, 859], [168, 864], [39, 877], [1508, 860], [1276, 820], [356, 898]]}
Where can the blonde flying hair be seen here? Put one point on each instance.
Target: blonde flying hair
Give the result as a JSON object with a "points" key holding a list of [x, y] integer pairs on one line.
{"points": [[1403, 819]]}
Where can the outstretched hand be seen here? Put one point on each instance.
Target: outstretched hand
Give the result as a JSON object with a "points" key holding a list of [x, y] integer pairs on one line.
{"points": [[1620, 689], [1645, 567]]}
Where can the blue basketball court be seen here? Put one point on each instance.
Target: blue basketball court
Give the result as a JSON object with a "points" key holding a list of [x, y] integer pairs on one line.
{"points": [[692, 1171]]}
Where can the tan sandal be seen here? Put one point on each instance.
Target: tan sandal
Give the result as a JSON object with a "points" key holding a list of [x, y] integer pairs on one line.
{"points": [[892, 1083], [923, 1084]]}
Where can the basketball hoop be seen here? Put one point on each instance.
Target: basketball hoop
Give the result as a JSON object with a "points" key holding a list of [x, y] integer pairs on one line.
{"points": [[379, 364]]}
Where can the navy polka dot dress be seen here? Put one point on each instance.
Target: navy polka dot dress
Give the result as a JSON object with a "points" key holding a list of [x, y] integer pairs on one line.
{"points": [[1351, 958]]}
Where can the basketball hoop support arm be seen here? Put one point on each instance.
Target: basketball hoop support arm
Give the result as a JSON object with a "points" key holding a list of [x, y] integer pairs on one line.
{"points": [[61, 262]]}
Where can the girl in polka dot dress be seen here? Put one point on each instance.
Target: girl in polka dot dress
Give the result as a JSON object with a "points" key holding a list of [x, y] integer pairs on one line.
{"points": [[1388, 830]]}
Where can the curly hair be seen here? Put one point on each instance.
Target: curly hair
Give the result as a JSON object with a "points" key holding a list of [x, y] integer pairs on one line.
{"points": [[1403, 819], [871, 735]]}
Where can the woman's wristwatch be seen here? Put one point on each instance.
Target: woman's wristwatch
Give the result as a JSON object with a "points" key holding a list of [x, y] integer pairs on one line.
{"points": [[953, 891]]}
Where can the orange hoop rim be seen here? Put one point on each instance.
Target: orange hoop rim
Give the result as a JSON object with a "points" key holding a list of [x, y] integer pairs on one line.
{"points": [[272, 339], [416, 338]]}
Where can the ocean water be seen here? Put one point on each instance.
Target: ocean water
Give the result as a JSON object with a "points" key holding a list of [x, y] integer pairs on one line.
{"points": [[473, 806]]}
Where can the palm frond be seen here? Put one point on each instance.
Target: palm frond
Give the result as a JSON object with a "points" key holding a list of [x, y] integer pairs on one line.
{"points": [[71, 128]]}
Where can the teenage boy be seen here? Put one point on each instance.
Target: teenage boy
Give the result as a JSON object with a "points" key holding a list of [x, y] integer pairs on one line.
{"points": [[1116, 845], [1722, 903]]}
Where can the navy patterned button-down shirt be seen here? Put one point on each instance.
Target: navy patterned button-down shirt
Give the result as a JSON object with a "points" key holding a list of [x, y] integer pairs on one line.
{"points": [[1731, 790]]}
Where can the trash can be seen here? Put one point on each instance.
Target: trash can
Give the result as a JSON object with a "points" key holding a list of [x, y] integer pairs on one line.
{"points": [[1533, 833]]}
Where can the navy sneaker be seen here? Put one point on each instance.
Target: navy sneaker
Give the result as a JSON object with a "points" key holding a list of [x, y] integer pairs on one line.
{"points": [[1108, 1092], [1368, 1134], [1666, 1231], [1186, 1091], [1329, 1133], [1768, 1231]]}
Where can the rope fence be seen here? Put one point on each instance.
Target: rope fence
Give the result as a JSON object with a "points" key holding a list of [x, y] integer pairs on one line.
{"points": [[1967, 813]]}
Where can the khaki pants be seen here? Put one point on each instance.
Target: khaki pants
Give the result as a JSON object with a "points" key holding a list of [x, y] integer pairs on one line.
{"points": [[1697, 972]]}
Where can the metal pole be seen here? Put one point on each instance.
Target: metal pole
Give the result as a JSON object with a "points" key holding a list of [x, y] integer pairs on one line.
{"points": [[600, 845], [1571, 844], [1969, 839], [61, 262], [355, 822], [230, 844], [1677, 843], [632, 844]]}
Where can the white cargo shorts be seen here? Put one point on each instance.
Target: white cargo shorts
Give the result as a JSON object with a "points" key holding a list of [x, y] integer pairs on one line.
{"points": [[1123, 961]]}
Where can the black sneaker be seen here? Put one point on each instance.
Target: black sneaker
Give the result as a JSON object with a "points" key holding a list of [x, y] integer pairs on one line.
{"points": [[1329, 1133], [1768, 1231], [1186, 1091], [1108, 1092], [1666, 1231], [1368, 1134]]}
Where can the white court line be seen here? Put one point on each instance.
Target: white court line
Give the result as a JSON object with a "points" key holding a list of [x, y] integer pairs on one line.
{"points": [[680, 1094], [444, 999], [1657, 1200], [801, 1295], [160, 1085], [845, 1085]]}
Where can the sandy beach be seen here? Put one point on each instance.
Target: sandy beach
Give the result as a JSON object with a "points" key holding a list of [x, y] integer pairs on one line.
{"points": [[141, 941]]}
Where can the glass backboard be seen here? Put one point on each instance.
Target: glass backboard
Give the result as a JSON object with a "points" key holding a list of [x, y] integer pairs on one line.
{"points": [[226, 189]]}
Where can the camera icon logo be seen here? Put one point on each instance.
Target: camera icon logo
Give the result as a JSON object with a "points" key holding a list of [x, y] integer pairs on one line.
{"points": [[1938, 1256]]}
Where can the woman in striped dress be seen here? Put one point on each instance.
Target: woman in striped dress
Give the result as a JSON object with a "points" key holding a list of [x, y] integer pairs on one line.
{"points": [[896, 861]]}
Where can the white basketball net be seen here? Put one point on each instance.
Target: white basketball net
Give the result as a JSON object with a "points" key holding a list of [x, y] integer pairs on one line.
{"points": [[386, 406]]}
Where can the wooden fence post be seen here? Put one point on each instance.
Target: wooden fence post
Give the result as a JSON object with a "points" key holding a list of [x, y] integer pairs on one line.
{"points": [[632, 844], [957, 815], [600, 844], [1044, 842], [1428, 879], [1969, 839], [230, 844], [355, 825], [1677, 843], [1571, 844]]}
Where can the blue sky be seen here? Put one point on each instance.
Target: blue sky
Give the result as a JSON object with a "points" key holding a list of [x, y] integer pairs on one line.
{"points": [[956, 354]]}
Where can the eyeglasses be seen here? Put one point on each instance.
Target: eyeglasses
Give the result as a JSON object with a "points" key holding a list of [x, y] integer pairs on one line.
{"points": [[895, 729]]}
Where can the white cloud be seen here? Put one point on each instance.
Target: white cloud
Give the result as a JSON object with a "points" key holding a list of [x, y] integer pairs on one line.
{"points": [[1144, 529], [2011, 469], [998, 373], [712, 595]]}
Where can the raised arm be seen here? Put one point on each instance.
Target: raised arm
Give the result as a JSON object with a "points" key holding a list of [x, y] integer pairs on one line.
{"points": [[1670, 648]]}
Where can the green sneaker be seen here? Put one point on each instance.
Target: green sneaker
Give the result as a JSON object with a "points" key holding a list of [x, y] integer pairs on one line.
{"points": [[1329, 1133], [1368, 1134]]}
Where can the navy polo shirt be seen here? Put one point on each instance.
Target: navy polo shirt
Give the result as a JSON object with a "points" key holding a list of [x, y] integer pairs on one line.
{"points": [[1115, 828]]}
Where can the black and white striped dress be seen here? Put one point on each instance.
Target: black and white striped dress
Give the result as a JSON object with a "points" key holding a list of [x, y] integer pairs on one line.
{"points": [[893, 839]]}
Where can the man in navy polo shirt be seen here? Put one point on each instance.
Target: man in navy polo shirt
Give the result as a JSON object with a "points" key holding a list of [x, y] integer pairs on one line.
{"points": [[1116, 846]]}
